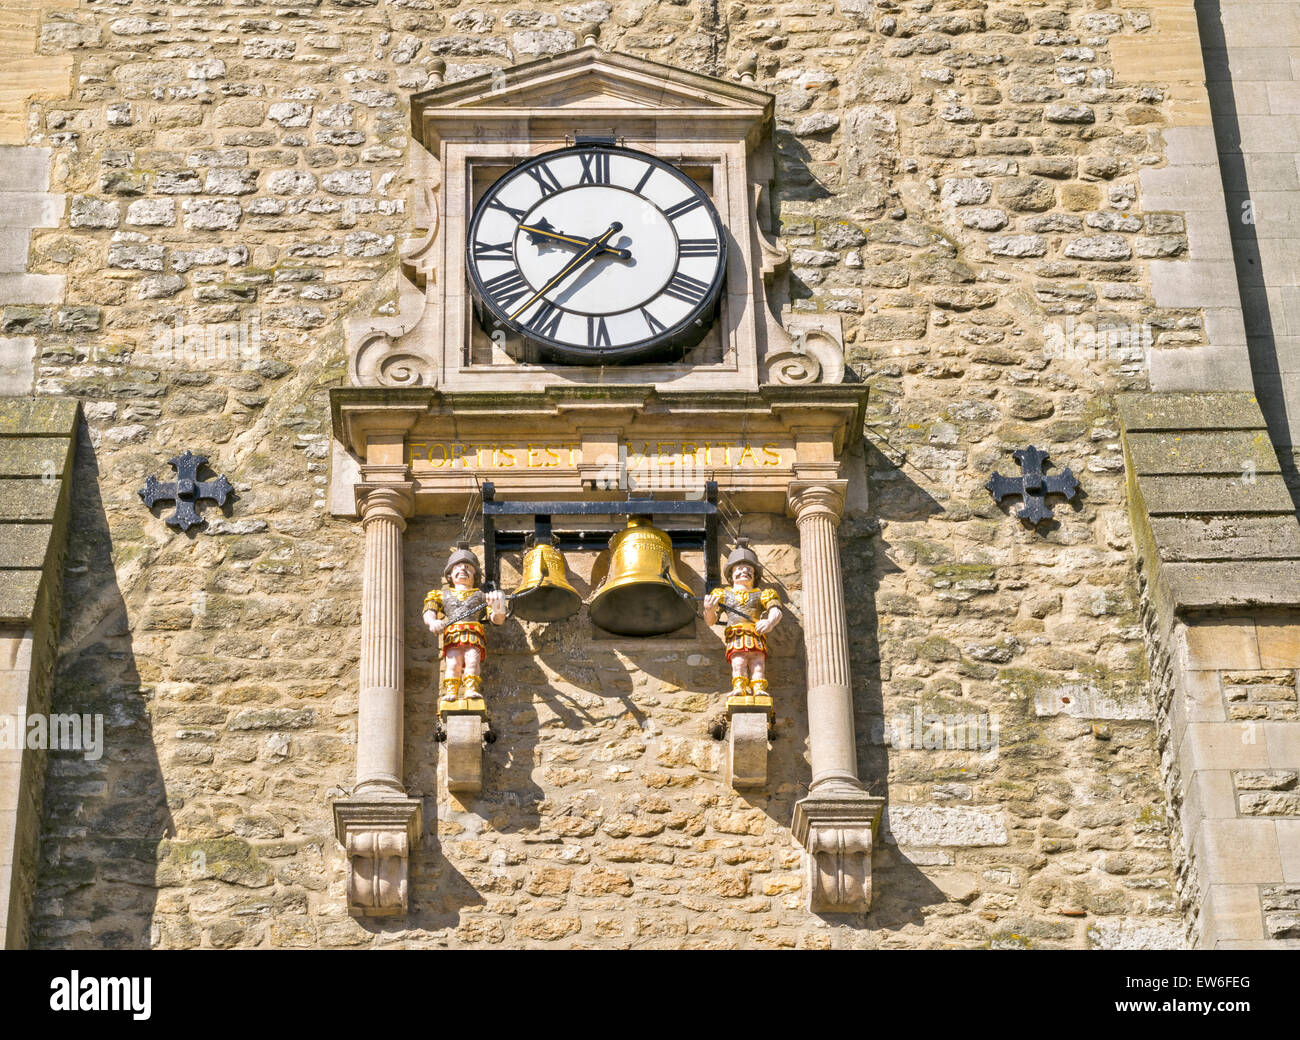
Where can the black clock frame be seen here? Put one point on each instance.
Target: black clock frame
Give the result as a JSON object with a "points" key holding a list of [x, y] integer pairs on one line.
{"points": [[670, 345]]}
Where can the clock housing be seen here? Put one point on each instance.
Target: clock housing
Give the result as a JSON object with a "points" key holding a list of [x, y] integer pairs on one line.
{"points": [[649, 292]]}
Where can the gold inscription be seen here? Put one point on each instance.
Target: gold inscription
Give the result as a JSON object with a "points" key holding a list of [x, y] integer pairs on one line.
{"points": [[637, 454]]}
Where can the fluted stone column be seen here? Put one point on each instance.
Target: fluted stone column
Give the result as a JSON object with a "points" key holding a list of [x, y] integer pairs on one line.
{"points": [[378, 823], [379, 722], [836, 822]]}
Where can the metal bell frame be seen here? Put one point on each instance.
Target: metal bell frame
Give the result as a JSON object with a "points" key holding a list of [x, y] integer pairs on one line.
{"points": [[698, 531]]}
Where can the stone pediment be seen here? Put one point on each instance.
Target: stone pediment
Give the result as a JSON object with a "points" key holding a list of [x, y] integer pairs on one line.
{"points": [[588, 81]]}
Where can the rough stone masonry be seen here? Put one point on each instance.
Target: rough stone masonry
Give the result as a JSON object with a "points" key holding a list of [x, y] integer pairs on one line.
{"points": [[958, 180]]}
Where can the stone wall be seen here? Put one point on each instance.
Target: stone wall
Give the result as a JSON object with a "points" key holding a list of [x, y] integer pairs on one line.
{"points": [[958, 182], [36, 445]]}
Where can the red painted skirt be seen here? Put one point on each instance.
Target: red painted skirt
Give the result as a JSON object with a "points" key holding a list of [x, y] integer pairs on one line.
{"points": [[743, 639], [464, 634]]}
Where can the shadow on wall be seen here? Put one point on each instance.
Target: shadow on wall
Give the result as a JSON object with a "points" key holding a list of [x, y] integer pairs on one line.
{"points": [[572, 706], [900, 890], [1261, 337], [104, 848]]}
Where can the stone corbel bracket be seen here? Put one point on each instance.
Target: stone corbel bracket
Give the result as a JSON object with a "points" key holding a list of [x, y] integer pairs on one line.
{"points": [[377, 836], [804, 348], [747, 746], [772, 255], [466, 732], [837, 831]]}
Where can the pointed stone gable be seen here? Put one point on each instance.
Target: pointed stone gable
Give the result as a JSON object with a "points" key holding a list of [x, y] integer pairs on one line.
{"points": [[582, 83]]}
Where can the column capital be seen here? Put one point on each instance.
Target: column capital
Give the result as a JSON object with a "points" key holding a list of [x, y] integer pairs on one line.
{"points": [[809, 498], [387, 501]]}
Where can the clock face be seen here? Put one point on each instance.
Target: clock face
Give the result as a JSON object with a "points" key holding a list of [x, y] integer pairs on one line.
{"points": [[597, 255]]}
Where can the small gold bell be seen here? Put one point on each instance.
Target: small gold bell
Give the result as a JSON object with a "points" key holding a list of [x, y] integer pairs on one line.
{"points": [[642, 595], [544, 592]]}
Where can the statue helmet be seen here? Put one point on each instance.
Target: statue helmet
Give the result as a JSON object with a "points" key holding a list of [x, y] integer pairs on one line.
{"points": [[742, 553], [462, 554]]}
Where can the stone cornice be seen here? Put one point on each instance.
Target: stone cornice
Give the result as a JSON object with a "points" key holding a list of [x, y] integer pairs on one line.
{"points": [[356, 410]]}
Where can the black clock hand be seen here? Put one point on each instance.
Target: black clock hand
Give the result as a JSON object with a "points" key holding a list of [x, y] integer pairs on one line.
{"points": [[573, 240], [593, 247]]}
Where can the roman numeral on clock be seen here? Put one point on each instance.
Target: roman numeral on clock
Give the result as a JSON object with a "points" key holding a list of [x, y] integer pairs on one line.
{"points": [[506, 288], [684, 287], [494, 251], [545, 320], [697, 247], [597, 332], [545, 179], [652, 323], [595, 167], [685, 206], [516, 214]]}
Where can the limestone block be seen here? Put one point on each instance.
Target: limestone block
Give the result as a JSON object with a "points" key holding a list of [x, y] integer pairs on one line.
{"points": [[931, 825], [1239, 852], [966, 191], [17, 364], [1137, 934], [1223, 745], [1230, 912], [1288, 845], [1282, 740], [1229, 643], [1265, 779], [1279, 642], [1016, 245], [1209, 794], [1092, 702]]}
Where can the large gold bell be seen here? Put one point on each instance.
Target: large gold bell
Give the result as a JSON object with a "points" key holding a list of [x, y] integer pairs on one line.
{"points": [[642, 595], [544, 592]]}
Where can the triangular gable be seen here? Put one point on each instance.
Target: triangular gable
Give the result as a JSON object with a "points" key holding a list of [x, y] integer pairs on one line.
{"points": [[592, 79]]}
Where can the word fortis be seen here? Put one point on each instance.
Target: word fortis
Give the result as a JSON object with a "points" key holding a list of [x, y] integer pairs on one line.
{"points": [[100, 994]]}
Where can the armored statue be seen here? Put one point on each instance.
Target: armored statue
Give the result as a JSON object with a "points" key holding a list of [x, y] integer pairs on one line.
{"points": [[749, 613], [454, 613]]}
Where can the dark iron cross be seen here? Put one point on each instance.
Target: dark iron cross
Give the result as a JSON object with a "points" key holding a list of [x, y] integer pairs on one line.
{"points": [[186, 489], [1033, 485]]}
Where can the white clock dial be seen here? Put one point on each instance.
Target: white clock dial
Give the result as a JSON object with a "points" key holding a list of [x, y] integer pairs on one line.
{"points": [[597, 254]]}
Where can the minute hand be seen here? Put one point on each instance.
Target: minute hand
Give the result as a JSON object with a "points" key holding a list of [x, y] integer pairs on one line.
{"points": [[573, 240], [593, 247]]}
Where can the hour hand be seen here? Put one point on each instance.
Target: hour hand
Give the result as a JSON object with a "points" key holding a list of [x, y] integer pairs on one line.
{"points": [[542, 231]]}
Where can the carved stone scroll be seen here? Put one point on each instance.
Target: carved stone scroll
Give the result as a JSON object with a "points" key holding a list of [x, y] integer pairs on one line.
{"points": [[379, 351], [838, 831], [379, 356], [377, 836], [805, 348]]}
